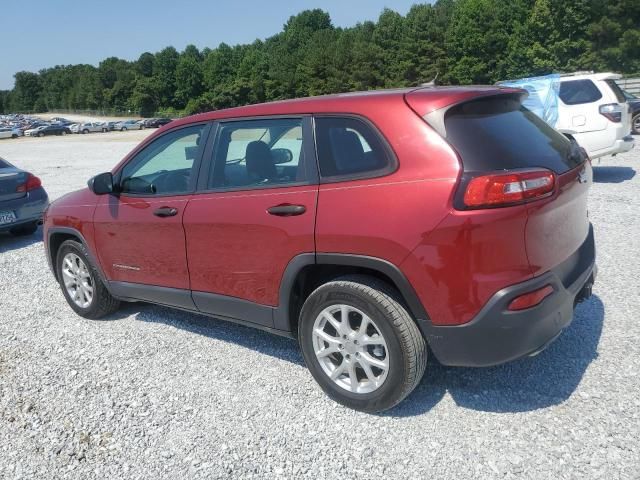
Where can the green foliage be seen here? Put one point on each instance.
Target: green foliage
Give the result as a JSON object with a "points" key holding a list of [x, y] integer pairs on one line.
{"points": [[461, 41]]}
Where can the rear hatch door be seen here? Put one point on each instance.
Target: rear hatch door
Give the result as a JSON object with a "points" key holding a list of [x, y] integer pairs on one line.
{"points": [[497, 134]]}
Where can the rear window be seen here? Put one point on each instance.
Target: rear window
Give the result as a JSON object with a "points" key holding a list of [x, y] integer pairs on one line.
{"points": [[498, 133], [616, 90], [577, 92], [3, 164]]}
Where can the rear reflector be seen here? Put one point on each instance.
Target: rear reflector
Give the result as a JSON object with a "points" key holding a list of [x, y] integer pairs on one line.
{"points": [[509, 189], [530, 299], [32, 183]]}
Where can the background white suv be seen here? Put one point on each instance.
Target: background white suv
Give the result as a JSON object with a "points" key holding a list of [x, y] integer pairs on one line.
{"points": [[593, 109]]}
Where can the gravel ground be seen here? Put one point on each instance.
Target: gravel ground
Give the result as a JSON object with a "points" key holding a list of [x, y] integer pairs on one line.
{"points": [[155, 393]]}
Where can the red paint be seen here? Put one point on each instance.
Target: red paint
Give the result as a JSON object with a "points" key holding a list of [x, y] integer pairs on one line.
{"points": [[134, 245], [227, 243], [236, 248]]}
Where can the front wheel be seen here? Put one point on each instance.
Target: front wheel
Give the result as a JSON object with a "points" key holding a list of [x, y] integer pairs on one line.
{"points": [[360, 343], [63, 133], [635, 124], [81, 284]]}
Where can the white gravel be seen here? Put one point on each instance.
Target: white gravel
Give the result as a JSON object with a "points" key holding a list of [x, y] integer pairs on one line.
{"points": [[156, 393]]}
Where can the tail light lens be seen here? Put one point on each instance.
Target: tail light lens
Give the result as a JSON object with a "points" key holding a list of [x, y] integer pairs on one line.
{"points": [[612, 111], [499, 190], [32, 183], [530, 299]]}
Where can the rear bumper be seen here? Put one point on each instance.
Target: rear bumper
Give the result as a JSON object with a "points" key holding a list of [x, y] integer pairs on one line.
{"points": [[27, 209], [497, 335], [619, 146]]}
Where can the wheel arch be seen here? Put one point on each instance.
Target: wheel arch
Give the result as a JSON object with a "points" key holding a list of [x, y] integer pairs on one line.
{"points": [[306, 272], [56, 236]]}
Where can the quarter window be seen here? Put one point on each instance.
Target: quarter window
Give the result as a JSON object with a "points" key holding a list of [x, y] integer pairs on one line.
{"points": [[165, 166], [577, 92], [258, 153], [348, 147]]}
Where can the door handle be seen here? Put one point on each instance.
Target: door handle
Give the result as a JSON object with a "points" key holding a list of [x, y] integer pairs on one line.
{"points": [[286, 210], [166, 212]]}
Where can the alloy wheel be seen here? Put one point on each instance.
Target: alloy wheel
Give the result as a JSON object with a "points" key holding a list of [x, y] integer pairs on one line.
{"points": [[350, 348], [77, 280]]}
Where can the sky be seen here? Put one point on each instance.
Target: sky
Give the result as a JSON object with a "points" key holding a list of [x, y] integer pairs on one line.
{"points": [[63, 32]]}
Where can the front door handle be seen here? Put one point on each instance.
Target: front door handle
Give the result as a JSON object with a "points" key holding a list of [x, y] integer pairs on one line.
{"points": [[166, 212], [286, 210]]}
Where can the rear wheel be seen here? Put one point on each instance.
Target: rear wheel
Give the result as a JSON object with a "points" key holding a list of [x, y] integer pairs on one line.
{"points": [[360, 343], [64, 132], [23, 230], [41, 134], [85, 131], [636, 124], [81, 284]]}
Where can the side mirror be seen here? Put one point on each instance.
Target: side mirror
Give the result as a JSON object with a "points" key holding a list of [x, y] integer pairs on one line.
{"points": [[281, 155], [101, 184]]}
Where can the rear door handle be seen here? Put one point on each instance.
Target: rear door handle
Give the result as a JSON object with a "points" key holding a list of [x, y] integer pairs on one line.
{"points": [[166, 212], [286, 210]]}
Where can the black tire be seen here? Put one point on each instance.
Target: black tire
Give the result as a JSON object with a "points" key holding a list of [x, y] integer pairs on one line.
{"points": [[63, 132], [40, 134], [406, 347], [14, 136], [102, 303], [85, 131], [635, 124], [24, 230]]}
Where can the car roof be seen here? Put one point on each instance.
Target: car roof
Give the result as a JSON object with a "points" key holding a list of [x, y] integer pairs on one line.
{"points": [[354, 102], [590, 76]]}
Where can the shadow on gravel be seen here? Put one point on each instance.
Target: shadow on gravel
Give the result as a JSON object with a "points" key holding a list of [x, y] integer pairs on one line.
{"points": [[251, 338], [8, 242], [524, 385], [612, 174]]}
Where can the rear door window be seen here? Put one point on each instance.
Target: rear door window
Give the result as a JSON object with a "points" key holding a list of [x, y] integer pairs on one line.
{"points": [[498, 133], [263, 153], [577, 92], [349, 148]]}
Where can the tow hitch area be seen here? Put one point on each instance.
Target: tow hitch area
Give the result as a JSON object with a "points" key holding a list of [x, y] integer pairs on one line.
{"points": [[586, 291]]}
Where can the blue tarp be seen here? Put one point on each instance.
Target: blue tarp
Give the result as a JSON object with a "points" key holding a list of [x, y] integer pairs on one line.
{"points": [[543, 95]]}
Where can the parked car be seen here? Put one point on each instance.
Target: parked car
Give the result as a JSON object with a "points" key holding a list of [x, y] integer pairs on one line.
{"points": [[157, 122], [48, 130], [22, 200], [112, 125], [367, 226], [128, 125], [10, 132], [634, 105], [89, 127], [594, 111]]}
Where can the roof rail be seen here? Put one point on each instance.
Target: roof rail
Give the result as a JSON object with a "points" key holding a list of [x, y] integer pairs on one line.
{"points": [[582, 72]]}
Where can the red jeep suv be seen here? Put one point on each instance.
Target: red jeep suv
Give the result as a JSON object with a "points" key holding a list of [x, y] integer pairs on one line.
{"points": [[369, 226]]}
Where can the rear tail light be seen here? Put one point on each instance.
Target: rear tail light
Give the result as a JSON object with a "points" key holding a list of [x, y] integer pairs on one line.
{"points": [[530, 299], [613, 111], [499, 190], [32, 183]]}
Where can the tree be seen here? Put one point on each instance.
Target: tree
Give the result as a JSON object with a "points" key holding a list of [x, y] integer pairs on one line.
{"points": [[460, 41], [26, 91]]}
